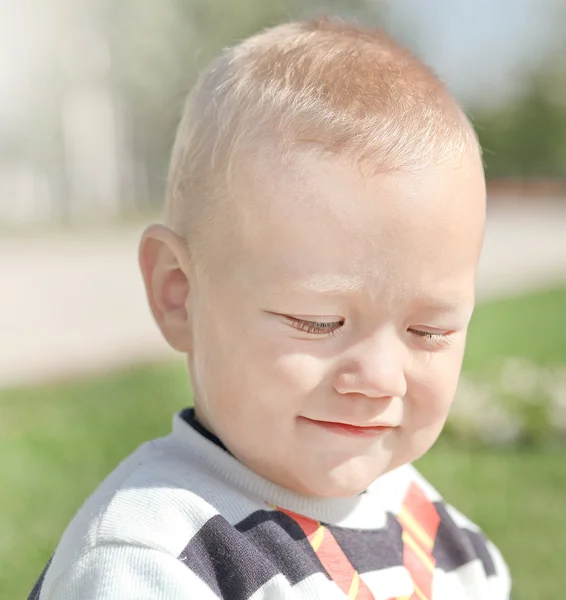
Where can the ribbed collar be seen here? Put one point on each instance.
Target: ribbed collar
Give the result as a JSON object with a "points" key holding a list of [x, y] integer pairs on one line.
{"points": [[209, 453], [188, 415]]}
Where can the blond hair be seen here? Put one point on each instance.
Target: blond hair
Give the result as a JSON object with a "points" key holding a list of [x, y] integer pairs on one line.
{"points": [[325, 84]]}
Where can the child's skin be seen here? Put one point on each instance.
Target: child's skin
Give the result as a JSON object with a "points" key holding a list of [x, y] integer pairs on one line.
{"points": [[339, 298]]}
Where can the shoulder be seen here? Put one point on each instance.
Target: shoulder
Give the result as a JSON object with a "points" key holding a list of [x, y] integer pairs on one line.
{"points": [[155, 500], [149, 500]]}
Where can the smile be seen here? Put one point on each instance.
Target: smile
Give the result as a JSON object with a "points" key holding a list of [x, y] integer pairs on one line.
{"points": [[347, 429]]}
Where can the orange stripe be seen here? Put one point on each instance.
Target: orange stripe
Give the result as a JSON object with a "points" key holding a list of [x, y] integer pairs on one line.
{"points": [[317, 537], [332, 558], [420, 574], [420, 521], [408, 522], [422, 510], [426, 559], [420, 595], [335, 562], [354, 587]]}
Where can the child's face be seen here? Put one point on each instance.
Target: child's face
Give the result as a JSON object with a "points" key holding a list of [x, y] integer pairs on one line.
{"points": [[344, 300]]}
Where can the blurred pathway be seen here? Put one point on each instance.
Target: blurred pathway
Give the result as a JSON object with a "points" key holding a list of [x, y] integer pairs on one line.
{"points": [[75, 303]]}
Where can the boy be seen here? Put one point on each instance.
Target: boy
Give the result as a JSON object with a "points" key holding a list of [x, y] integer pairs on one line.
{"points": [[325, 214]]}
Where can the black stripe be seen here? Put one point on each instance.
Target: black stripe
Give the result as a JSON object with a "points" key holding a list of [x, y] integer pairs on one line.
{"points": [[371, 550], [457, 546], [188, 415], [34, 594], [236, 561], [281, 540]]}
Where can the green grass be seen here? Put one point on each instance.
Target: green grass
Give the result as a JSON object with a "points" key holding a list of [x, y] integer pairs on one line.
{"points": [[533, 326], [517, 497], [58, 442]]}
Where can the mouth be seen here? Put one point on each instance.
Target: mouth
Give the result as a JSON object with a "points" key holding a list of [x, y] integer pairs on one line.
{"points": [[351, 430]]}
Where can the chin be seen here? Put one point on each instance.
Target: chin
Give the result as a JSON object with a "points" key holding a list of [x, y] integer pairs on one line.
{"points": [[340, 483]]}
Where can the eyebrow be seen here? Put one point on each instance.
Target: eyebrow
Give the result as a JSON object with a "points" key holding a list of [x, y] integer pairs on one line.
{"points": [[457, 305], [342, 284], [326, 284]]}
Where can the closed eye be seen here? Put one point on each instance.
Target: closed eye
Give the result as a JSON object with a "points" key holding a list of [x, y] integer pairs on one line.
{"points": [[434, 339], [315, 327]]}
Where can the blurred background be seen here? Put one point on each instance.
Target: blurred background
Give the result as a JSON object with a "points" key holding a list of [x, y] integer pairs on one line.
{"points": [[90, 94]]}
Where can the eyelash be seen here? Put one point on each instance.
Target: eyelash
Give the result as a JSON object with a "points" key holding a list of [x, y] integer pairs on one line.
{"points": [[436, 339], [333, 327], [315, 327]]}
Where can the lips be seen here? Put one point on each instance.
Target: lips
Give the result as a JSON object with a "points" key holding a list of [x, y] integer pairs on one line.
{"points": [[349, 429]]}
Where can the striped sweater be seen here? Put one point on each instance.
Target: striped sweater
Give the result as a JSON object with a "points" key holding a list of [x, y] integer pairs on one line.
{"points": [[181, 518]]}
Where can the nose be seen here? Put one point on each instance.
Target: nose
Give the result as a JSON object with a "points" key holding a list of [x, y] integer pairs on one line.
{"points": [[374, 368]]}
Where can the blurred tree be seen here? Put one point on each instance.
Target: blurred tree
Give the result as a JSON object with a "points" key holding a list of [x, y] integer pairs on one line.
{"points": [[527, 138], [156, 50], [159, 48]]}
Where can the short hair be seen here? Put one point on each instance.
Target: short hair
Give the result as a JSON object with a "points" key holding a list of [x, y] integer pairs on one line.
{"points": [[328, 85]]}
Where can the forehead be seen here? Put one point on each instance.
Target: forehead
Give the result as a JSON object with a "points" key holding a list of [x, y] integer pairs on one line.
{"points": [[318, 223]]}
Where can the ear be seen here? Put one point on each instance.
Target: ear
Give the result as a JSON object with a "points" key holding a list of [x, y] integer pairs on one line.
{"points": [[164, 263]]}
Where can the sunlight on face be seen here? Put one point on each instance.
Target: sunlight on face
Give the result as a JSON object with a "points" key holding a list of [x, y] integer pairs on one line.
{"points": [[328, 346]]}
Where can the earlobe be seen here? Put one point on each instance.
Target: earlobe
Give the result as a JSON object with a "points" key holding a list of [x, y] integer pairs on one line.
{"points": [[163, 258]]}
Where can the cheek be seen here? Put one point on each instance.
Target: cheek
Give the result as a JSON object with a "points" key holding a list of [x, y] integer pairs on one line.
{"points": [[293, 371], [431, 389], [255, 369], [432, 386], [217, 360]]}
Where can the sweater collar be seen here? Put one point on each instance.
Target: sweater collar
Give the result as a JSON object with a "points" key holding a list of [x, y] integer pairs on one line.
{"points": [[188, 415], [200, 446]]}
